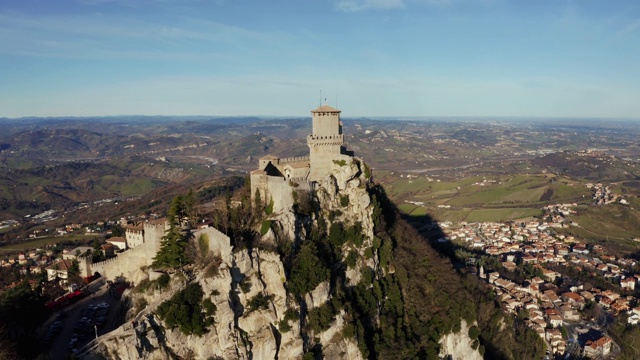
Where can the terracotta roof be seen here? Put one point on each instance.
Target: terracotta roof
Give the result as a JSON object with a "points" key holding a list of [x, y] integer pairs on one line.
{"points": [[61, 265], [573, 296], [157, 221], [325, 108], [603, 341], [116, 239]]}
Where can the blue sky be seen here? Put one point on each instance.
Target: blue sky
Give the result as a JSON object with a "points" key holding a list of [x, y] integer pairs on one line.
{"points": [[547, 58]]}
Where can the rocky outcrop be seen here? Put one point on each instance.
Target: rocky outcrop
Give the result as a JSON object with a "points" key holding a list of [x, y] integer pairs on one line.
{"points": [[459, 345], [236, 333], [240, 331], [344, 191], [318, 296]]}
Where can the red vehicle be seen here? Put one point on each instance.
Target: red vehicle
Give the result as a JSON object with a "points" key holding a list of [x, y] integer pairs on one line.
{"points": [[65, 300]]}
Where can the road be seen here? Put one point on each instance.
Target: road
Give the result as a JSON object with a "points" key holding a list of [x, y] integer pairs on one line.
{"points": [[60, 345]]}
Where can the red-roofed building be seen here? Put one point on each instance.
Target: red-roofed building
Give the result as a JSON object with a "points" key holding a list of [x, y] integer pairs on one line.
{"points": [[59, 269], [575, 300], [628, 283], [598, 348], [529, 259]]}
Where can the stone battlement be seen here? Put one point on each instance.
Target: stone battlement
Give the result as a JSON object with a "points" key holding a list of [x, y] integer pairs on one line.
{"points": [[104, 262], [328, 137], [293, 159]]}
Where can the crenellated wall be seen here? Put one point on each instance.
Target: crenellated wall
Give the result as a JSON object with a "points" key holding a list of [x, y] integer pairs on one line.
{"points": [[293, 159], [134, 236], [129, 263]]}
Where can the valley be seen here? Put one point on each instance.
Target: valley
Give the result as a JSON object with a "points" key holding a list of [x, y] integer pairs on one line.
{"points": [[575, 185]]}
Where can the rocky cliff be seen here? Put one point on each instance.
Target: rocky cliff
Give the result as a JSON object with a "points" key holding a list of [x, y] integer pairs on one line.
{"points": [[320, 283]]}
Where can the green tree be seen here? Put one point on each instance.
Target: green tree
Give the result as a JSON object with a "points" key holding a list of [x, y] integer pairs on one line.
{"points": [[190, 208], [97, 255], [258, 202], [184, 310], [172, 246], [22, 311], [117, 230], [307, 270]]}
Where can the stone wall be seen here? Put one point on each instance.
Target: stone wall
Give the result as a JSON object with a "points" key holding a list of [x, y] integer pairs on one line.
{"points": [[134, 237], [326, 123], [321, 160], [84, 263], [219, 243], [280, 191], [153, 233], [127, 264], [293, 159], [259, 184]]}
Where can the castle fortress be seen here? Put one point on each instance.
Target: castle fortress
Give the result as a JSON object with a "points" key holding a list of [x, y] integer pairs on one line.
{"points": [[276, 178], [142, 243]]}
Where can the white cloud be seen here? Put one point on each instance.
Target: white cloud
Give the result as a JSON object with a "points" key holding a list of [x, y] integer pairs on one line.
{"points": [[363, 5], [630, 28], [359, 5], [98, 35]]}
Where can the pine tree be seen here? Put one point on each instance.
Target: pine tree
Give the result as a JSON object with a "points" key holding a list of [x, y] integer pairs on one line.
{"points": [[173, 244]]}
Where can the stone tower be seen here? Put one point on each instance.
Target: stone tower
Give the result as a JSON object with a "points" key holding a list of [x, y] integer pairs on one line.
{"points": [[325, 141]]}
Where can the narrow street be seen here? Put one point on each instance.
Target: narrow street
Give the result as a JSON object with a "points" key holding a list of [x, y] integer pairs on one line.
{"points": [[60, 345]]}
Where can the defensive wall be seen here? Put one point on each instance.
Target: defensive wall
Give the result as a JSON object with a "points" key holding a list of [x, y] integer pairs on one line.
{"points": [[129, 263]]}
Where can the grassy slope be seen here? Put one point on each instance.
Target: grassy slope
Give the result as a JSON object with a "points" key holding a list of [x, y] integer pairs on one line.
{"points": [[513, 197], [502, 198]]}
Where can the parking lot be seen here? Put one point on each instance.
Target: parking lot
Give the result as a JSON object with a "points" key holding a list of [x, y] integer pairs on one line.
{"points": [[76, 325]]}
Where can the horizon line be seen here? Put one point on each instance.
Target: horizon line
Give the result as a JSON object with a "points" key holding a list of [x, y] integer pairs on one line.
{"points": [[371, 117]]}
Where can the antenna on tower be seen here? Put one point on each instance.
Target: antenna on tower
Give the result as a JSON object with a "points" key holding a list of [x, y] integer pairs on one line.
{"points": [[320, 97]]}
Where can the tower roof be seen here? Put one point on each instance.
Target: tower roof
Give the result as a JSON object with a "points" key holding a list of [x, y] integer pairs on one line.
{"points": [[325, 108]]}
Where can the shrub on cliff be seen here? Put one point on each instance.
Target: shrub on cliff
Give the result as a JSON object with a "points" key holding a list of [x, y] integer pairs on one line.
{"points": [[184, 311], [307, 270]]}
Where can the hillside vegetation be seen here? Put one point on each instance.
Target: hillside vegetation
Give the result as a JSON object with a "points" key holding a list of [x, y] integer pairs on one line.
{"points": [[407, 297]]}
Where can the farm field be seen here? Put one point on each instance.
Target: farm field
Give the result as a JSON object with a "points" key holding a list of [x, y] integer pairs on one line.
{"points": [[514, 197], [613, 221], [41, 242]]}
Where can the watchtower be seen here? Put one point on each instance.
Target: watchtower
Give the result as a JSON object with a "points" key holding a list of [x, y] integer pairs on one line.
{"points": [[325, 142]]}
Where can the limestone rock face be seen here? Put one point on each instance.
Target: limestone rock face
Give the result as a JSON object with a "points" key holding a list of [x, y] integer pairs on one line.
{"points": [[240, 332], [346, 181], [318, 296], [337, 347], [344, 170], [458, 345], [289, 226], [255, 336]]}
